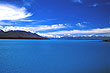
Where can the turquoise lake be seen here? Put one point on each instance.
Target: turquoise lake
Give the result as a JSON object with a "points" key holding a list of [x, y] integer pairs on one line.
{"points": [[54, 56]]}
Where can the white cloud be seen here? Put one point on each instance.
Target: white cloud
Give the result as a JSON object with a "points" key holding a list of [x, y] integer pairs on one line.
{"points": [[7, 28], [47, 27], [77, 1], [80, 25], [26, 20], [45, 35], [49, 35], [1, 27], [42, 21], [5, 23], [104, 30], [35, 29], [28, 2], [95, 5], [10, 12]]}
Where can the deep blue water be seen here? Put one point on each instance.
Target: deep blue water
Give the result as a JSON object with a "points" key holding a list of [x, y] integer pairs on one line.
{"points": [[54, 56]]}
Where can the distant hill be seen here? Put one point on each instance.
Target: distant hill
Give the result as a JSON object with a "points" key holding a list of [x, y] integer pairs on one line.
{"points": [[19, 35], [84, 37], [93, 37]]}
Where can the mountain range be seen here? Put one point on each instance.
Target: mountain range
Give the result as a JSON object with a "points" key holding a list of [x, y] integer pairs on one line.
{"points": [[93, 37], [84, 37], [19, 35], [28, 35]]}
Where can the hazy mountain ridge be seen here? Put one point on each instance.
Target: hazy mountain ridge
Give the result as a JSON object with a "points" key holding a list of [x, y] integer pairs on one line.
{"points": [[84, 37], [19, 35], [93, 37]]}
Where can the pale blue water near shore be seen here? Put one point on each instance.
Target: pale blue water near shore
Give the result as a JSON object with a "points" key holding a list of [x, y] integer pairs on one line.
{"points": [[54, 56]]}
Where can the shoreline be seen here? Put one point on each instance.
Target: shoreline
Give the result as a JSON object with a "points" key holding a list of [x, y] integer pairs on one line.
{"points": [[103, 41], [27, 38]]}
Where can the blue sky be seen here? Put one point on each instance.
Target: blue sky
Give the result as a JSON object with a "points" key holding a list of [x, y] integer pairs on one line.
{"points": [[56, 17]]}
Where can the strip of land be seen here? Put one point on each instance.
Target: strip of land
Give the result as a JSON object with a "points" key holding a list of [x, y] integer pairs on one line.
{"points": [[19, 35], [104, 41]]}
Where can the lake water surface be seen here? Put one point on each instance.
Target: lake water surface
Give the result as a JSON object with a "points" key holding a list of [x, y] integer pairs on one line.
{"points": [[54, 56]]}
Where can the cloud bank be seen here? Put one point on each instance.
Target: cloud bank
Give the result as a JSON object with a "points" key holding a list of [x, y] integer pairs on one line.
{"points": [[98, 30], [5, 23], [95, 5], [77, 1], [80, 25], [34, 29], [10, 12]]}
